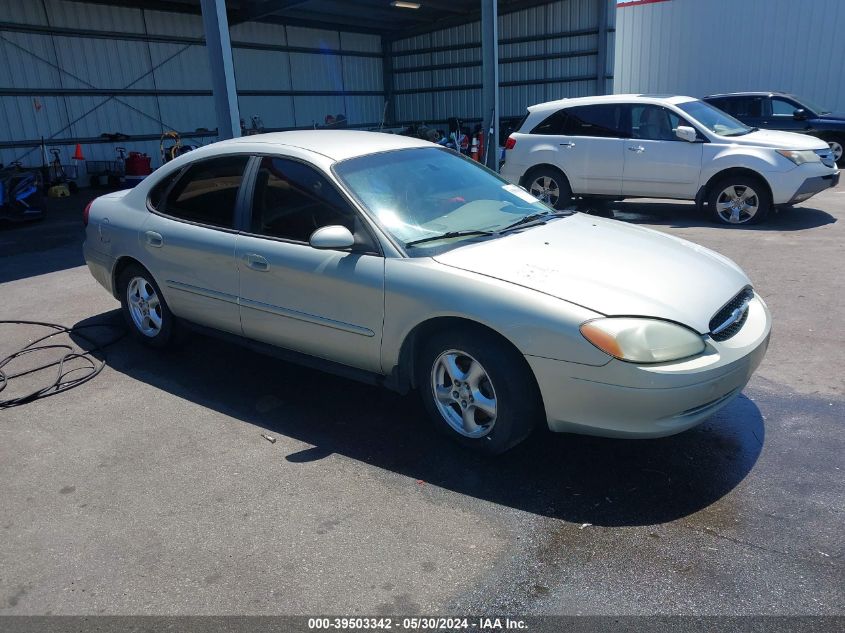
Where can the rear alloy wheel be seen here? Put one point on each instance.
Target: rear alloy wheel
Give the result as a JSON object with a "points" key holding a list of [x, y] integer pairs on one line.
{"points": [[477, 389], [551, 187], [739, 200], [144, 309]]}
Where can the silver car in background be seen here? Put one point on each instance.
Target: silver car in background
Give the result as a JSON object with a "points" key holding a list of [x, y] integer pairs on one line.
{"points": [[398, 262]]}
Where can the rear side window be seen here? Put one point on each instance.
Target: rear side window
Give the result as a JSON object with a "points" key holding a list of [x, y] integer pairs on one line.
{"points": [[604, 120], [745, 107], [207, 192]]}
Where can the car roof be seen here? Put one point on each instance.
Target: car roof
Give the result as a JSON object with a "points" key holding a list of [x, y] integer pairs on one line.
{"points": [[624, 98], [771, 93], [334, 144]]}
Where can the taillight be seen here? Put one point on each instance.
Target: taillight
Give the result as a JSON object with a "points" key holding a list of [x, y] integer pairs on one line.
{"points": [[86, 212], [510, 143]]}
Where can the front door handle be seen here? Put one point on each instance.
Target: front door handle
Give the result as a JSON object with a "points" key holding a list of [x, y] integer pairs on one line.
{"points": [[639, 149], [568, 145], [256, 262], [154, 239]]}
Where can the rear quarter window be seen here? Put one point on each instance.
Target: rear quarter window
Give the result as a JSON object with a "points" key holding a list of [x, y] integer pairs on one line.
{"points": [[552, 124], [159, 191]]}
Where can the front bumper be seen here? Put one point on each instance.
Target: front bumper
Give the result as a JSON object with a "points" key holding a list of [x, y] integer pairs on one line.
{"points": [[626, 400], [812, 186]]}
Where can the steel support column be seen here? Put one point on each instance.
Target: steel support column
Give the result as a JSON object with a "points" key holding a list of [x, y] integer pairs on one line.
{"points": [[219, 48], [389, 111], [601, 57], [490, 80]]}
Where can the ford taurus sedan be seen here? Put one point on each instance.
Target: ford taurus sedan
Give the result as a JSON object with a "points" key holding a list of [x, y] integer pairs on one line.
{"points": [[399, 262]]}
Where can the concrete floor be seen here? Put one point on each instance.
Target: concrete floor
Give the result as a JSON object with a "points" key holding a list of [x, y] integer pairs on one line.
{"points": [[151, 491]]}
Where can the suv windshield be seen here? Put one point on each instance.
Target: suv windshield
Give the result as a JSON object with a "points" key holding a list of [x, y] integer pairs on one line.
{"points": [[431, 198], [714, 119]]}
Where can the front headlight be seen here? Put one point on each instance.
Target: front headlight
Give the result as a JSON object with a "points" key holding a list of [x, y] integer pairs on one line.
{"points": [[642, 340], [799, 157]]}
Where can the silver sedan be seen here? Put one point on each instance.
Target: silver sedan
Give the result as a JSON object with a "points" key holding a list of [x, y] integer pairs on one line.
{"points": [[398, 262]]}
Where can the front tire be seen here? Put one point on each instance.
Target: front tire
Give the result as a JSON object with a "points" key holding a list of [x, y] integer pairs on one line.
{"points": [[144, 308], [736, 200], [478, 390], [550, 186], [837, 146]]}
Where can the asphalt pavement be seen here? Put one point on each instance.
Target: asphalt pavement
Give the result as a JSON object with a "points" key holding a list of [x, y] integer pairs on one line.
{"points": [[150, 489]]}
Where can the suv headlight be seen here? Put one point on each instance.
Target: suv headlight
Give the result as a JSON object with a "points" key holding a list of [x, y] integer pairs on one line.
{"points": [[642, 340], [799, 157]]}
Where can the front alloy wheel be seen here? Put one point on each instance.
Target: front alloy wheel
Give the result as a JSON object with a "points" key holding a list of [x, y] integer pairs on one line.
{"points": [[477, 389], [464, 394], [836, 150], [737, 204]]}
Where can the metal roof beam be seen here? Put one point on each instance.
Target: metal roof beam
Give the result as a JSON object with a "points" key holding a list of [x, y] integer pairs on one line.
{"points": [[255, 10], [504, 7]]}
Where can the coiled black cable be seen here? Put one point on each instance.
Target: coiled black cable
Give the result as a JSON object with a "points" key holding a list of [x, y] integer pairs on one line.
{"points": [[63, 381]]}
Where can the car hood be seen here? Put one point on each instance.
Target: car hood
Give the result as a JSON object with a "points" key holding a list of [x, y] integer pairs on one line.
{"points": [[778, 140], [609, 267], [833, 116]]}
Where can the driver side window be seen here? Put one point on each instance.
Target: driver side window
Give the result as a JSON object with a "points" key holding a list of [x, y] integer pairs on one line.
{"points": [[292, 200], [782, 107], [654, 123]]}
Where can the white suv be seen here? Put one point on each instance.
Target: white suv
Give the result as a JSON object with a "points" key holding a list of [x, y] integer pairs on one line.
{"points": [[638, 146]]}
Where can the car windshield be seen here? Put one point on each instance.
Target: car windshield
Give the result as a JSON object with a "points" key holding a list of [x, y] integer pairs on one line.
{"points": [[429, 199], [714, 119], [811, 106]]}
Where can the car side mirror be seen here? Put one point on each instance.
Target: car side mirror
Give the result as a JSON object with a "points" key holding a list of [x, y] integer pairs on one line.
{"points": [[800, 114], [334, 237], [686, 133]]}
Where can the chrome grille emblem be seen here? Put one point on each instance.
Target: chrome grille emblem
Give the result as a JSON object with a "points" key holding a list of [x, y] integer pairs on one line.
{"points": [[735, 316]]}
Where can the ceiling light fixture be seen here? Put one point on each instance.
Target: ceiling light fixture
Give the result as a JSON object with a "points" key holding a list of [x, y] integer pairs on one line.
{"points": [[401, 4]]}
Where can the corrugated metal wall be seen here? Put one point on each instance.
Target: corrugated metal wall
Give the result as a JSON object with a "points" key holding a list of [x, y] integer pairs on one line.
{"points": [[70, 70], [546, 52], [699, 47]]}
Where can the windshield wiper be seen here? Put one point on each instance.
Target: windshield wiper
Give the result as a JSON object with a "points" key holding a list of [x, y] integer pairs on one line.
{"points": [[743, 132], [534, 219], [447, 235]]}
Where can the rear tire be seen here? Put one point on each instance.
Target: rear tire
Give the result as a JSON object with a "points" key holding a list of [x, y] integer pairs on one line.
{"points": [[596, 206], [477, 390], [549, 185], [737, 200], [146, 313]]}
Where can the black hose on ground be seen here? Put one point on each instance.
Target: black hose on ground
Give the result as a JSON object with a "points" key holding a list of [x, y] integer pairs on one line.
{"points": [[63, 381]]}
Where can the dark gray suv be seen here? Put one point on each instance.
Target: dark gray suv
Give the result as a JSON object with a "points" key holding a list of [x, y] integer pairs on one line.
{"points": [[783, 111]]}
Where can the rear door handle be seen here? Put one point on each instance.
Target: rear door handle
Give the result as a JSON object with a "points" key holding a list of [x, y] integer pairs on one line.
{"points": [[639, 149], [154, 239], [256, 262], [569, 145]]}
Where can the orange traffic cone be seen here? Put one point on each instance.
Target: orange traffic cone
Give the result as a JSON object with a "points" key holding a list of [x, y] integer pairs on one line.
{"points": [[77, 155], [474, 150]]}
